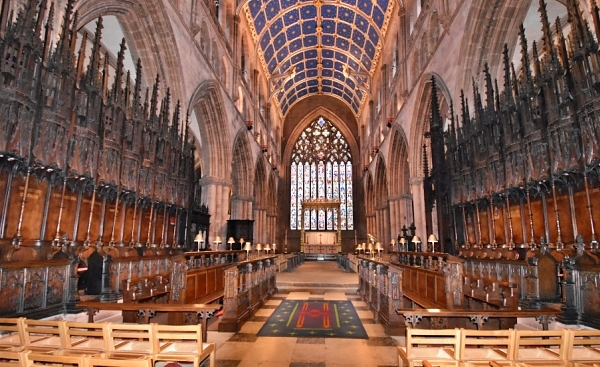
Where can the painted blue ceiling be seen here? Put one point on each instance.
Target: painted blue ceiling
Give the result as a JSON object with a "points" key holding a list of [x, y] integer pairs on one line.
{"points": [[312, 47]]}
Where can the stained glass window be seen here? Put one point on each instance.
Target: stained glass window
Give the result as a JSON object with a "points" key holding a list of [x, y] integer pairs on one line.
{"points": [[321, 168]]}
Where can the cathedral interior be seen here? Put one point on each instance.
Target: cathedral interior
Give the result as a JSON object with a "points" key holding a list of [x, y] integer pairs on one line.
{"points": [[446, 151]]}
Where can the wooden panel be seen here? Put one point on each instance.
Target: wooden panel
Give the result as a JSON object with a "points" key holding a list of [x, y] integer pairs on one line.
{"points": [[14, 205], [566, 227], [190, 287], [201, 285], [538, 218], [109, 221], [498, 212], [582, 215], [3, 184], [517, 225], [431, 286], [483, 219], [211, 281], [34, 208], [441, 290], [128, 224]]}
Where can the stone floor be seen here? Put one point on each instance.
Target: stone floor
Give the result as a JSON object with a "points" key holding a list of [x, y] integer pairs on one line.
{"points": [[318, 280]]}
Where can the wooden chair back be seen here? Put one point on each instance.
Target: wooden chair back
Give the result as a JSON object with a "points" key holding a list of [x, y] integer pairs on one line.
{"points": [[96, 361], [129, 338], [42, 334], [497, 342], [84, 336], [529, 342], [177, 338], [583, 345], [32, 359], [443, 339], [10, 332], [10, 358]]}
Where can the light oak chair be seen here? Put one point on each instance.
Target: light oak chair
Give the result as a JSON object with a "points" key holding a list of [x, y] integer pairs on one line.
{"points": [[479, 347], [32, 359], [182, 343], [41, 335], [96, 361], [583, 346], [543, 346], [128, 340], [10, 333], [84, 337], [434, 346], [10, 358]]}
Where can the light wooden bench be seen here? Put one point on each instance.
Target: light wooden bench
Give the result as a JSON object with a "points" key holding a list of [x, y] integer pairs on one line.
{"points": [[84, 337], [42, 335], [583, 346], [431, 345]]}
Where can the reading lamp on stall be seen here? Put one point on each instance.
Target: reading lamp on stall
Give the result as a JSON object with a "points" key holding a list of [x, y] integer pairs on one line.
{"points": [[417, 241], [402, 244], [247, 248], [217, 242], [433, 240], [267, 248], [199, 239], [230, 243]]}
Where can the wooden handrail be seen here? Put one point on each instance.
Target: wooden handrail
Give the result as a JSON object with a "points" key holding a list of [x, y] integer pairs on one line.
{"points": [[413, 316]]}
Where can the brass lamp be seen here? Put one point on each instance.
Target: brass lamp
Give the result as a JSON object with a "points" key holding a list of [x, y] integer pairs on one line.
{"points": [[199, 239], [433, 240], [258, 249], [378, 247], [217, 242], [274, 247], [230, 243], [417, 241], [402, 244], [267, 248], [392, 244], [247, 248]]}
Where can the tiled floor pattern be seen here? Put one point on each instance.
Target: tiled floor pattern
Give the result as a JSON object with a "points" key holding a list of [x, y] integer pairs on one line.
{"points": [[245, 349]]}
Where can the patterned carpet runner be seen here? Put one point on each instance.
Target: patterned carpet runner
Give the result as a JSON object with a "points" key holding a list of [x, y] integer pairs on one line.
{"points": [[313, 318]]}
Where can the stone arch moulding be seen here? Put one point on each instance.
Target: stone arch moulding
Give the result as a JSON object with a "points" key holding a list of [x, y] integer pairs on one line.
{"points": [[261, 178], [243, 165], [397, 156], [156, 47], [310, 117], [420, 118], [381, 181], [206, 101]]}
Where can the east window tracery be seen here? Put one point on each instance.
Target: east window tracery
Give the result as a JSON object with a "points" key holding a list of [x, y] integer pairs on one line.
{"points": [[321, 168]]}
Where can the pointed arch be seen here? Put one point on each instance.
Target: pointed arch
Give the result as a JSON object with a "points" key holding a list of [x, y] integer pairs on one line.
{"points": [[261, 184], [381, 186], [421, 118], [149, 32], [398, 169], [207, 104], [242, 166]]}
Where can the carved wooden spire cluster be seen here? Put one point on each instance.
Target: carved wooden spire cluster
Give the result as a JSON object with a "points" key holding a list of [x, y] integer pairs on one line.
{"points": [[537, 136], [62, 116]]}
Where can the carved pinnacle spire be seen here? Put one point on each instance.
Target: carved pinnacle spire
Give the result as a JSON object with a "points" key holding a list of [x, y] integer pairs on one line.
{"points": [[525, 56], [40, 18], [548, 44], [154, 98], [48, 33], [119, 70], [93, 67], [489, 88]]}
